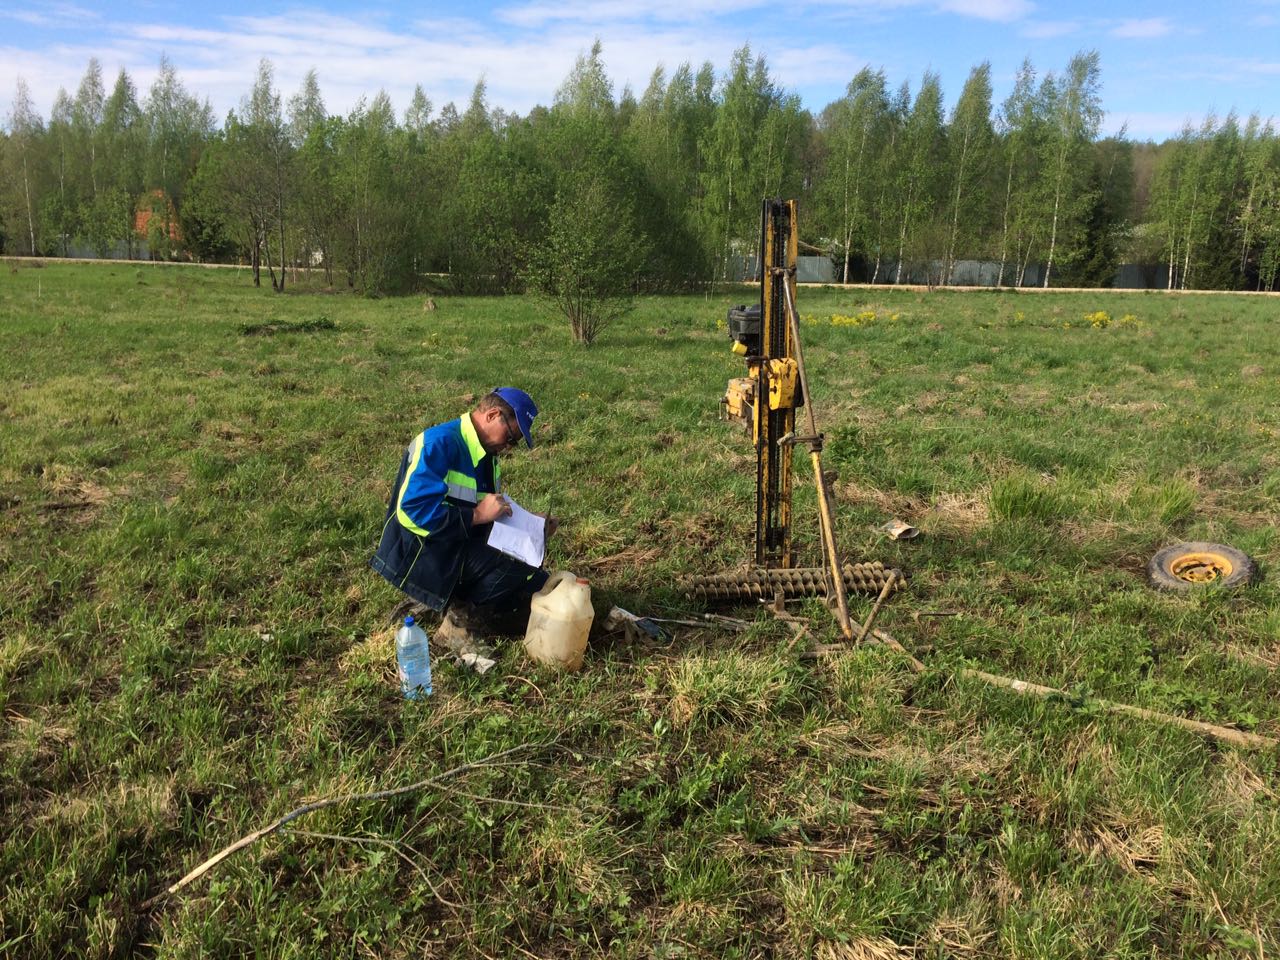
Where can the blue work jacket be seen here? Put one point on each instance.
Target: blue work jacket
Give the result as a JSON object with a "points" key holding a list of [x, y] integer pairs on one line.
{"points": [[443, 475]]}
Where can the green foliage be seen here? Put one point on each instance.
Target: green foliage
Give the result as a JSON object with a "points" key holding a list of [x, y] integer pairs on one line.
{"points": [[854, 129], [589, 260], [890, 188], [749, 151]]}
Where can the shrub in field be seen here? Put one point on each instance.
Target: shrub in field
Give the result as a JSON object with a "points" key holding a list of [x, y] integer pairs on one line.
{"points": [[589, 263]]}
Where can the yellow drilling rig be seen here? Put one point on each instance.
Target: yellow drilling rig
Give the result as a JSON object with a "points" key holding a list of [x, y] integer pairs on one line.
{"points": [[765, 401]]}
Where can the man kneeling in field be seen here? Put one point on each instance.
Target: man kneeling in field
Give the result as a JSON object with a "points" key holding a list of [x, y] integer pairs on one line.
{"points": [[445, 498]]}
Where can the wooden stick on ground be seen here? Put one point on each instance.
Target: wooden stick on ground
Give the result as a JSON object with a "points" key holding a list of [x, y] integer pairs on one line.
{"points": [[875, 608], [248, 839], [1240, 738]]}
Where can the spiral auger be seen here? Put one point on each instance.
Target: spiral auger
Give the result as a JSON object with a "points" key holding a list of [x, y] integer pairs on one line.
{"points": [[763, 584]]}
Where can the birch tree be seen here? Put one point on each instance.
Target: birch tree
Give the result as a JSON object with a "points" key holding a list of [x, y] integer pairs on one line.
{"points": [[311, 173], [86, 120], [267, 157], [745, 154], [1180, 203], [178, 126], [587, 91], [918, 174], [59, 208], [885, 200], [663, 139], [1073, 112], [969, 143], [1259, 211], [111, 221], [855, 127], [26, 131], [1020, 130], [417, 116]]}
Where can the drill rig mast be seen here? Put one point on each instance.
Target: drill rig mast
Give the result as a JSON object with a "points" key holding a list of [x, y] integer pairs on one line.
{"points": [[767, 336], [775, 375]]}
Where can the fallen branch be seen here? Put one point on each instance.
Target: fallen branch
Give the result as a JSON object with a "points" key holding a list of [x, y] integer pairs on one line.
{"points": [[322, 804], [1240, 738]]}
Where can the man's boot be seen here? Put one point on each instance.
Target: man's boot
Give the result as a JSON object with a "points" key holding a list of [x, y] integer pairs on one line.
{"points": [[460, 632]]}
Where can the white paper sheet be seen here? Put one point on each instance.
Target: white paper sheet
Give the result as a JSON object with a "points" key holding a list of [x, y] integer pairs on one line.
{"points": [[522, 535]]}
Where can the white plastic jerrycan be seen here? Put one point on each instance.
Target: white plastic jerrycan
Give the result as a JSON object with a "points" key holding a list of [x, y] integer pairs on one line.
{"points": [[560, 616]]}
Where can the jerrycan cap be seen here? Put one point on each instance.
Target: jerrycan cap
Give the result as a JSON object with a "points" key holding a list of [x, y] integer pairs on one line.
{"points": [[584, 581]]}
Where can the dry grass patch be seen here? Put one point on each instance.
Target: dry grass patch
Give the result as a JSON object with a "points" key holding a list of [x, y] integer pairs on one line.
{"points": [[850, 491], [864, 948], [959, 937], [1136, 850], [957, 513], [1241, 786], [734, 688], [564, 853], [70, 489], [148, 805], [1137, 407], [922, 403], [1267, 657]]}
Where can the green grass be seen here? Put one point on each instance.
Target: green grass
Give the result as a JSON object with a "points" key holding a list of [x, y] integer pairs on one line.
{"points": [[192, 477]]}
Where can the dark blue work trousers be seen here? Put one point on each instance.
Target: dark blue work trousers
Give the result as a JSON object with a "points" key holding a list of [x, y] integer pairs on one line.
{"points": [[498, 584]]}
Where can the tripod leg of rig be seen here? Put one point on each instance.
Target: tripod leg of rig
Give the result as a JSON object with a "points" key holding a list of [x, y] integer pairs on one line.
{"points": [[825, 519]]}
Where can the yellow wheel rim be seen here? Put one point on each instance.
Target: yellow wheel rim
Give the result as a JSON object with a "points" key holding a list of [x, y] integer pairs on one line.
{"points": [[1201, 567]]}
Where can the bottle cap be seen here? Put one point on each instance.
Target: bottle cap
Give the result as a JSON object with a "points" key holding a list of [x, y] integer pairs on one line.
{"points": [[408, 621]]}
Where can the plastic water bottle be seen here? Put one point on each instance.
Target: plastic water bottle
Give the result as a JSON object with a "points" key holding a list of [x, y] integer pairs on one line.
{"points": [[413, 660]]}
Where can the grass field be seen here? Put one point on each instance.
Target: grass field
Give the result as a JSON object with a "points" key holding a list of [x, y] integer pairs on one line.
{"points": [[192, 477]]}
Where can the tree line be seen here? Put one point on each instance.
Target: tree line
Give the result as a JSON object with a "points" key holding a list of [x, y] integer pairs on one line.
{"points": [[599, 192]]}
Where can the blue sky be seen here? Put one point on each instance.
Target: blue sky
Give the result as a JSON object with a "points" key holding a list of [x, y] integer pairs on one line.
{"points": [[1162, 63]]}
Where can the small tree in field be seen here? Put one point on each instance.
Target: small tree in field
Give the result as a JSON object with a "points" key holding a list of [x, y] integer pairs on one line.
{"points": [[588, 264]]}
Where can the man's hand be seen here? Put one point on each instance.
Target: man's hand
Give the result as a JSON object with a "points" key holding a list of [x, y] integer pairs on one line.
{"points": [[493, 506]]}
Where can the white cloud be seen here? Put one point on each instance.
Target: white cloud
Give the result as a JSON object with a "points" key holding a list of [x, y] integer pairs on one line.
{"points": [[1146, 29], [541, 12], [819, 64], [1003, 11], [49, 14], [355, 59]]}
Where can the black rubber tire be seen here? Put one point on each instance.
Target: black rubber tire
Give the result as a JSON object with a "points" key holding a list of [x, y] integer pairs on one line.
{"points": [[1188, 566]]}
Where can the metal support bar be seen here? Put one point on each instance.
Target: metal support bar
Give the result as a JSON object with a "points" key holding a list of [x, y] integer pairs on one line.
{"points": [[825, 518]]}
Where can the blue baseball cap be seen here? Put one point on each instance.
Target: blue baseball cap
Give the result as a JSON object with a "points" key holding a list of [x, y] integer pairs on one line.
{"points": [[523, 406]]}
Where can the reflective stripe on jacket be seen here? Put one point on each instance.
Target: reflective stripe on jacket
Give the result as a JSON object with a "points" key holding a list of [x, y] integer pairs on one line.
{"points": [[443, 474]]}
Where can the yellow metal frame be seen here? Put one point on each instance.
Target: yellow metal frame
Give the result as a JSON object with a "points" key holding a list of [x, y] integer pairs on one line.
{"points": [[776, 377]]}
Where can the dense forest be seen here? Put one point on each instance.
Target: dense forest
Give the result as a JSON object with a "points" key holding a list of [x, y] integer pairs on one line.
{"points": [[659, 191]]}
